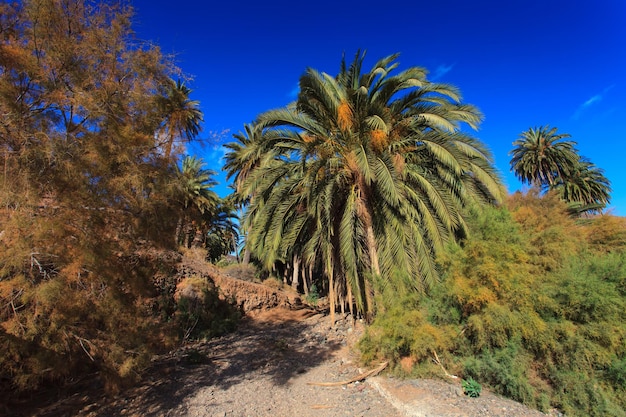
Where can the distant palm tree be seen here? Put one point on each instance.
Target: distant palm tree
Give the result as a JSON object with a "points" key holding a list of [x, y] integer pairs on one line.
{"points": [[585, 187], [194, 188], [366, 174], [222, 233], [540, 156], [243, 157], [182, 116]]}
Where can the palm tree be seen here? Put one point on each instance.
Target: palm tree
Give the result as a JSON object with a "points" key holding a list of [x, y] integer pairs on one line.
{"points": [[222, 235], [365, 174], [586, 188], [181, 116], [540, 156], [195, 195], [243, 157]]}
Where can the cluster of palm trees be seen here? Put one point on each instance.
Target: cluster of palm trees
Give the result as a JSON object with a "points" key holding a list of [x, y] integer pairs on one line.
{"points": [[206, 220], [359, 183], [545, 159], [366, 174]]}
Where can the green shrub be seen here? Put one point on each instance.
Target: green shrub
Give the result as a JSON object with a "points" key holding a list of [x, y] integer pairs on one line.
{"points": [[403, 330], [616, 373], [226, 261], [246, 272], [530, 305], [201, 313], [505, 370], [313, 296]]}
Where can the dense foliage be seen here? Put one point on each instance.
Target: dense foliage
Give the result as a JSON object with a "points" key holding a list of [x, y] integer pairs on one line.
{"points": [[89, 192], [366, 172], [533, 305], [364, 190]]}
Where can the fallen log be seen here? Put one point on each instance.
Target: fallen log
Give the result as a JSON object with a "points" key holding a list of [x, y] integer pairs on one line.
{"points": [[357, 378]]}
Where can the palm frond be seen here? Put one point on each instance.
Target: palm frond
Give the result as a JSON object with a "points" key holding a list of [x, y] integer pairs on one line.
{"points": [[367, 172]]}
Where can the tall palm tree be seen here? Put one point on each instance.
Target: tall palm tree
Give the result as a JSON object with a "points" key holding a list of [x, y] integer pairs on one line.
{"points": [[367, 173], [181, 115], [194, 189], [540, 156]]}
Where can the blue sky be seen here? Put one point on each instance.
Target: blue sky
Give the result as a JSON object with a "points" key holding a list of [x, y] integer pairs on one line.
{"points": [[522, 63]]}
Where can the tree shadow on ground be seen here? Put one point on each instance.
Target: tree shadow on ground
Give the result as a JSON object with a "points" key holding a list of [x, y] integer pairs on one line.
{"points": [[275, 351]]}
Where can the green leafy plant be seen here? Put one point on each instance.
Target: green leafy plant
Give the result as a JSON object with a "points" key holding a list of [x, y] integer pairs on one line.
{"points": [[313, 296], [471, 388]]}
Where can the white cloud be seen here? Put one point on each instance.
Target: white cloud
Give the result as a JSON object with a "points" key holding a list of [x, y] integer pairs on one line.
{"points": [[592, 100], [216, 154], [440, 71]]}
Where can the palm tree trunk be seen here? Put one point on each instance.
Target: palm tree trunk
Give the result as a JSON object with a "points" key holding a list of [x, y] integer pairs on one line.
{"points": [[246, 248], [331, 298], [373, 252], [350, 308], [369, 301], [246, 254], [296, 272], [169, 146], [198, 239], [190, 228], [342, 302], [235, 248], [306, 277], [365, 211], [178, 232]]}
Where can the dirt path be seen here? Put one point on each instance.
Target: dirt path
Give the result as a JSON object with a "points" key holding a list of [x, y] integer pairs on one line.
{"points": [[266, 368], [263, 369]]}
